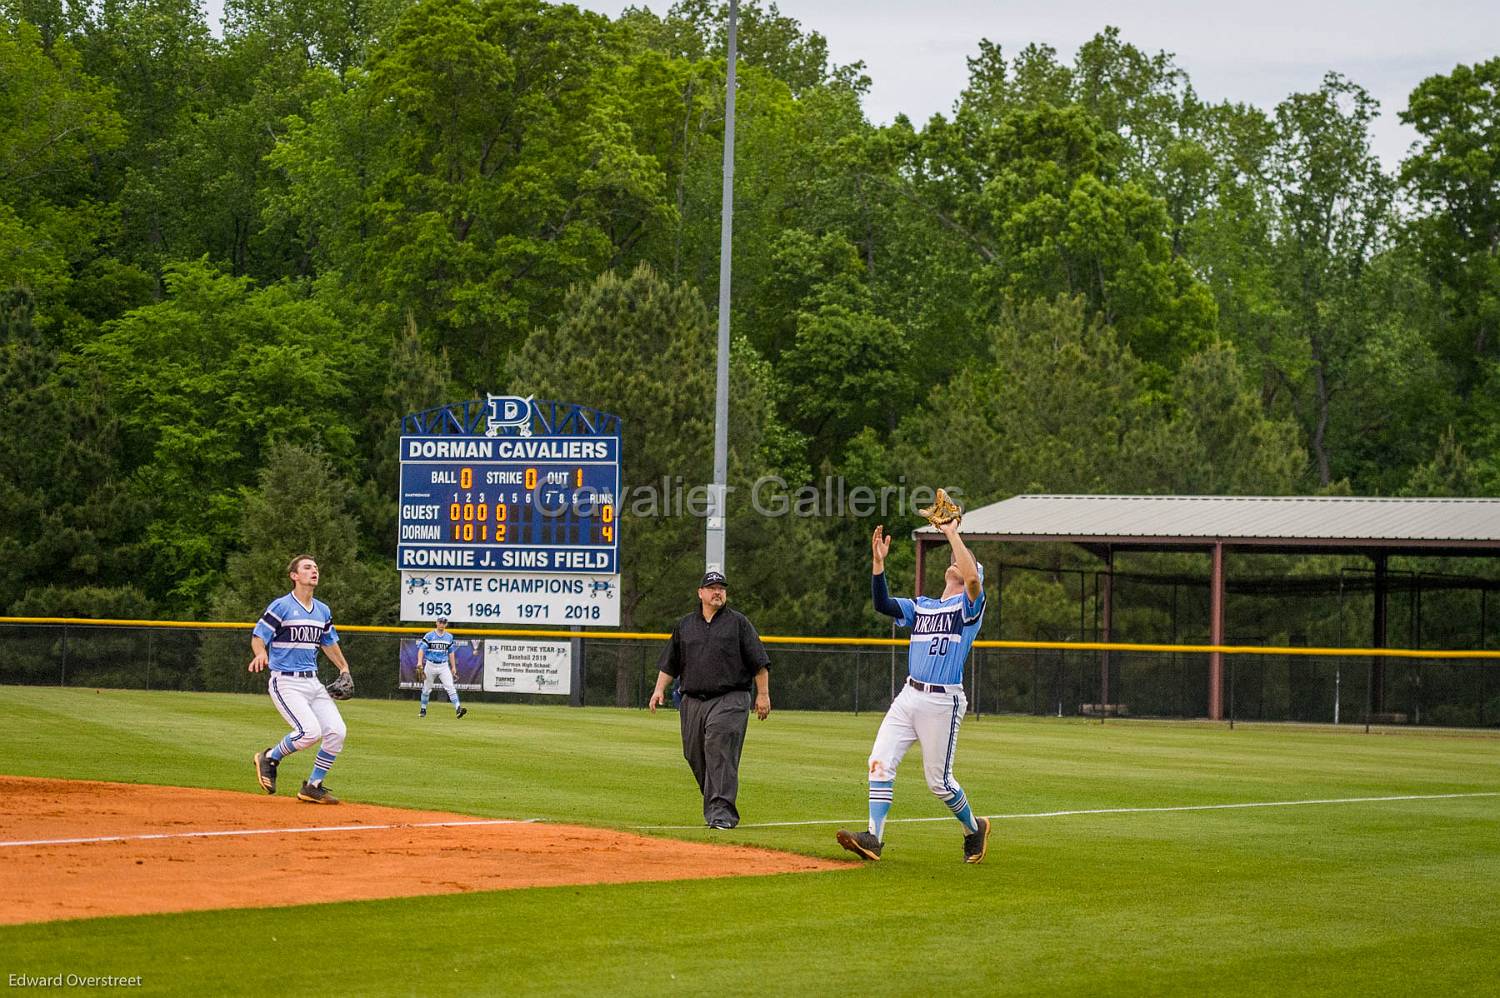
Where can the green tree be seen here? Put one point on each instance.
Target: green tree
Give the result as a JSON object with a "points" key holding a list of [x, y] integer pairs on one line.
{"points": [[475, 170], [1062, 406], [321, 33], [1454, 175], [643, 350], [302, 505], [204, 381], [415, 379], [1039, 193], [1451, 472], [1047, 411], [1213, 438], [68, 519], [1332, 211], [55, 123], [157, 56], [766, 39]]}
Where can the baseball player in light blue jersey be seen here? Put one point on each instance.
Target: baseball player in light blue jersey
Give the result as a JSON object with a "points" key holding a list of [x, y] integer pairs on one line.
{"points": [[932, 703], [433, 651], [286, 639]]}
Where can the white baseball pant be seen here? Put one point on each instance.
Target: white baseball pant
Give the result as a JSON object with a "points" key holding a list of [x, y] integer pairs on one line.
{"points": [[307, 707], [929, 718], [442, 673]]}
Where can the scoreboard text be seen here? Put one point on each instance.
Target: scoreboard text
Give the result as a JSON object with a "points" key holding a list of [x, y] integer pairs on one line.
{"points": [[509, 504]]}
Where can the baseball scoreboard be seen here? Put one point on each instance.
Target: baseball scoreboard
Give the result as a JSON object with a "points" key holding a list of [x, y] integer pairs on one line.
{"points": [[501, 524]]}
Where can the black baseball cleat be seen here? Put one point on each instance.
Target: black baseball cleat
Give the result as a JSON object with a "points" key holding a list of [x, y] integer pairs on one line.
{"points": [[863, 844], [265, 771], [976, 844], [460, 712], [316, 793], [422, 712]]}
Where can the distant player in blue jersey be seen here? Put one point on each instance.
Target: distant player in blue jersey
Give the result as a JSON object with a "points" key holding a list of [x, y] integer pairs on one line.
{"points": [[286, 639], [932, 703], [434, 649]]}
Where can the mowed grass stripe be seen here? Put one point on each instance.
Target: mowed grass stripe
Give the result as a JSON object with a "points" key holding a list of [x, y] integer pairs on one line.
{"points": [[1391, 898]]}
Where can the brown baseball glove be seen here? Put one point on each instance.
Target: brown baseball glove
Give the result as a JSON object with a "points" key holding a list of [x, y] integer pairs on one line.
{"points": [[943, 510]]}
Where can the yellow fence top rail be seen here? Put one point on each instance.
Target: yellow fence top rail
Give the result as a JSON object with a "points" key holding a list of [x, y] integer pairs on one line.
{"points": [[1409, 653]]}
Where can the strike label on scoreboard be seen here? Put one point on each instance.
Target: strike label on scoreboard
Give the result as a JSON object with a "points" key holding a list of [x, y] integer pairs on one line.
{"points": [[510, 504]]}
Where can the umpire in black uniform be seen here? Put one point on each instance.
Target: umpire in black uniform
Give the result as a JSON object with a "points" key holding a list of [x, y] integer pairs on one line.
{"points": [[717, 654]]}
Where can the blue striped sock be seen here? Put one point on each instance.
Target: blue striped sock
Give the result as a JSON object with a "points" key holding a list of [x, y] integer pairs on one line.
{"points": [[454, 699], [882, 793], [282, 749], [959, 805], [425, 695], [321, 765]]}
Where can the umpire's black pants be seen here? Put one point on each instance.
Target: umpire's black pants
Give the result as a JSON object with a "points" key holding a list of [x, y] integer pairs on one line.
{"points": [[713, 733]]}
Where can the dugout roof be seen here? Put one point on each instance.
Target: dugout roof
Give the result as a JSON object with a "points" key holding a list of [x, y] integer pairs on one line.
{"points": [[1106, 525], [1280, 524]]}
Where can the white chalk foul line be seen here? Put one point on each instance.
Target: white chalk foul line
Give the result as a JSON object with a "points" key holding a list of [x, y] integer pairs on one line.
{"points": [[1107, 810], [264, 831]]}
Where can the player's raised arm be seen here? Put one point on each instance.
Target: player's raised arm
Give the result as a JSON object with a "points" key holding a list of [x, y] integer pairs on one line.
{"points": [[880, 546], [963, 559], [880, 595]]}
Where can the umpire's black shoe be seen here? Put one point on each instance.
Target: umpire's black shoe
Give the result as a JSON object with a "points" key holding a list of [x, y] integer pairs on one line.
{"points": [[863, 844], [976, 844], [316, 793], [265, 771], [460, 712]]}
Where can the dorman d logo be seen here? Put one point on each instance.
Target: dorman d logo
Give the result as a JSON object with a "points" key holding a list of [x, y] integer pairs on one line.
{"points": [[508, 410]]}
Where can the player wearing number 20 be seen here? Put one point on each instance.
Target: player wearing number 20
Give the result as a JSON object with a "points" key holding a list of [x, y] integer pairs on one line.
{"points": [[932, 703]]}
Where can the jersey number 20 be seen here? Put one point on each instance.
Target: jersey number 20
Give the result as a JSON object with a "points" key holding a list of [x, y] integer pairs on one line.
{"points": [[939, 646]]}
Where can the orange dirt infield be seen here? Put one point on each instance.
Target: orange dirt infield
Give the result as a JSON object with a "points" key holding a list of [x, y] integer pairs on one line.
{"points": [[263, 863]]}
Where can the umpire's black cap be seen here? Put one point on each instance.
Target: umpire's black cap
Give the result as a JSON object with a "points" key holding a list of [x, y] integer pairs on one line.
{"points": [[713, 579]]}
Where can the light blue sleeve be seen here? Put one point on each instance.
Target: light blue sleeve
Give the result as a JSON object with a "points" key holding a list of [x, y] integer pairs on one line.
{"points": [[908, 611], [265, 627], [973, 609]]}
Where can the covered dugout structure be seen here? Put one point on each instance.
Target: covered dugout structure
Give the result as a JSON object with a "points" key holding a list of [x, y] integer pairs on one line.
{"points": [[1220, 526]]}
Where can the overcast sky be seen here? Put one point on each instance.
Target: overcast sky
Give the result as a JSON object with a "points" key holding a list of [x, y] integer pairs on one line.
{"points": [[1256, 53]]}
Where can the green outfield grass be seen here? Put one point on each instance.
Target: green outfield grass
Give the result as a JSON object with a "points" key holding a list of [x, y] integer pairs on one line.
{"points": [[1379, 898]]}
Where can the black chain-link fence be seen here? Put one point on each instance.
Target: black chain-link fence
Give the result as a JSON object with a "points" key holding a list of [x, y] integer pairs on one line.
{"points": [[1041, 681]]}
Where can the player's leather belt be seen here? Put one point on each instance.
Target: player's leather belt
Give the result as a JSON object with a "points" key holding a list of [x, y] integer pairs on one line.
{"points": [[929, 687], [300, 675]]}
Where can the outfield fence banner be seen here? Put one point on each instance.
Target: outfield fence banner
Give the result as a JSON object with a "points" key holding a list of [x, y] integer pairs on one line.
{"points": [[1091, 680], [528, 667], [465, 657]]}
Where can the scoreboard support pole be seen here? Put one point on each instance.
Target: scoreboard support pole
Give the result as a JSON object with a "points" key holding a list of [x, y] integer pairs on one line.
{"points": [[575, 689]]}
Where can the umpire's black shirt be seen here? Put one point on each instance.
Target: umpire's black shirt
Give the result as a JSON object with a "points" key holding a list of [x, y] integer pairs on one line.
{"points": [[714, 656]]}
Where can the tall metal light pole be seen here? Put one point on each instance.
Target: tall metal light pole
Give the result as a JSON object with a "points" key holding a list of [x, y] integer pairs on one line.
{"points": [[718, 510]]}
